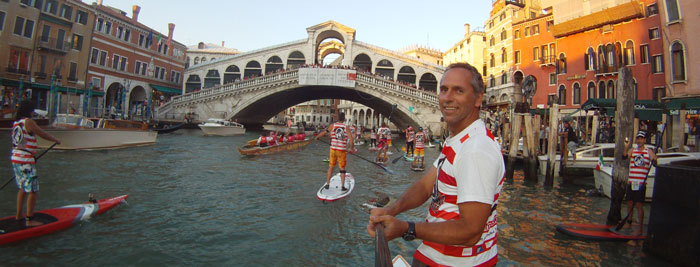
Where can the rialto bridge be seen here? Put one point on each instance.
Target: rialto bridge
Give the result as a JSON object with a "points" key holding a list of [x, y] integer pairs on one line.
{"points": [[391, 83]]}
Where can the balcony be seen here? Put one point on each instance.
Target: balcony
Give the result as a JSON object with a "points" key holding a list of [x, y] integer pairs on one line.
{"points": [[10, 69], [40, 75], [607, 70], [52, 44], [547, 60]]}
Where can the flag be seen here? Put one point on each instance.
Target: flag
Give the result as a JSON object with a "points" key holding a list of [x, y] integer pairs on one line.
{"points": [[149, 39], [159, 40], [600, 163]]}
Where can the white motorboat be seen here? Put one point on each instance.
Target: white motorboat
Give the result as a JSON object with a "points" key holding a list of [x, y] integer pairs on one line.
{"points": [[603, 176], [587, 158], [77, 132], [221, 127]]}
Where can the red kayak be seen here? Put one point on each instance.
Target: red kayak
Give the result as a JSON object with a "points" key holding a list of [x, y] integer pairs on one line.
{"points": [[596, 232], [54, 220]]}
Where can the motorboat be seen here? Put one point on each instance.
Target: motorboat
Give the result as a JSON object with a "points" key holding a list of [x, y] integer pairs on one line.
{"points": [[603, 174], [221, 127], [587, 158], [77, 132]]}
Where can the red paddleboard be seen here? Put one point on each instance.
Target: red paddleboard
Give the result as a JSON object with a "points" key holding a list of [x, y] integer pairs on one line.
{"points": [[54, 219], [597, 232]]}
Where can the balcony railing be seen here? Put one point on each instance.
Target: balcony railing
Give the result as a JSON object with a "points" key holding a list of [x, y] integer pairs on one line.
{"points": [[54, 44], [547, 60], [18, 71], [605, 69]]}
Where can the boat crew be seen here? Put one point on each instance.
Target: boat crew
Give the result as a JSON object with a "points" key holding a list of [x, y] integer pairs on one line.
{"points": [[383, 133], [641, 159], [262, 140], [420, 148], [339, 145], [410, 136], [24, 132], [291, 138], [271, 140]]}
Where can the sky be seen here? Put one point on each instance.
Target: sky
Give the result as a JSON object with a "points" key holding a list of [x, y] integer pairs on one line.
{"points": [[252, 24]]}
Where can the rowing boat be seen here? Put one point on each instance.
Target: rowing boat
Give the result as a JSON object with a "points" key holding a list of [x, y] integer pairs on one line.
{"points": [[250, 150]]}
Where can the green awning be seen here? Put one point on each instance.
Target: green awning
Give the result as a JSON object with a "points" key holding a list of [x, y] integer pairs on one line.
{"points": [[167, 90], [42, 86], [692, 106], [645, 109]]}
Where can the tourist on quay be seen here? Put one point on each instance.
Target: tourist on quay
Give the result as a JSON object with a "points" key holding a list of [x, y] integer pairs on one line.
{"points": [[382, 134], [641, 159], [572, 139], [420, 139], [471, 178], [262, 140], [410, 136], [543, 140], [339, 146], [24, 146], [113, 111], [373, 137]]}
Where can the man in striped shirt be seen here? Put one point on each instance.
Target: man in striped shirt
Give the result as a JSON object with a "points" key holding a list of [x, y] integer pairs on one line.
{"points": [[641, 159], [463, 185], [24, 132]]}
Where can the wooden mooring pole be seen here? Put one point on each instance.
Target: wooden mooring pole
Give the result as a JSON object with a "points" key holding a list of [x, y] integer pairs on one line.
{"points": [[624, 119], [552, 145], [530, 159], [513, 147]]}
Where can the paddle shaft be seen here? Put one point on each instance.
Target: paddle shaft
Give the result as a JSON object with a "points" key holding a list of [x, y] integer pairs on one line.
{"points": [[384, 168], [621, 224], [382, 257], [35, 160]]}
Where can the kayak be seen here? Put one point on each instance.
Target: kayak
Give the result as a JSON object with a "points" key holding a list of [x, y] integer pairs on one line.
{"points": [[54, 219], [326, 160], [407, 158], [597, 232], [373, 148], [334, 191], [417, 169]]}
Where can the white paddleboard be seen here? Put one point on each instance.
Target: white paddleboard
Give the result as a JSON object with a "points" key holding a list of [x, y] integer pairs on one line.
{"points": [[334, 191], [399, 261]]}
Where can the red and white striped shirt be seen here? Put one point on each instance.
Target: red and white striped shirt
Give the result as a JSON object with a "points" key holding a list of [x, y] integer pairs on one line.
{"points": [[420, 140], [640, 163], [23, 144], [470, 169], [339, 137]]}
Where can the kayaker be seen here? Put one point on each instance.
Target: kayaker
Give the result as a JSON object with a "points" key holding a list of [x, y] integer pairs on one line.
{"points": [[641, 159], [24, 146], [420, 148], [463, 185], [340, 139], [262, 140]]}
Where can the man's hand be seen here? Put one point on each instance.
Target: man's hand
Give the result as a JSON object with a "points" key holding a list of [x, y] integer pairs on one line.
{"points": [[393, 227]]}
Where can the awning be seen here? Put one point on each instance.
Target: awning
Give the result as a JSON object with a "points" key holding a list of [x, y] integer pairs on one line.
{"points": [[27, 85], [167, 90], [645, 109], [692, 106]]}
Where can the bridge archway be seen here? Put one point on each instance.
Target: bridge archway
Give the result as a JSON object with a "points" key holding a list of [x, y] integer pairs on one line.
{"points": [[407, 75], [113, 94], [363, 62], [274, 63], [193, 83], [212, 79], [252, 69], [323, 38], [136, 100], [232, 74], [428, 82], [295, 60], [385, 68]]}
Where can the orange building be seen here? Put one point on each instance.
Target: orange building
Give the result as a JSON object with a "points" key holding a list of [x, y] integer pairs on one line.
{"points": [[533, 47], [591, 43]]}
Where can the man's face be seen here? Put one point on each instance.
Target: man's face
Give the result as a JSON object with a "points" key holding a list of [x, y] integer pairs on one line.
{"points": [[640, 141], [457, 99]]}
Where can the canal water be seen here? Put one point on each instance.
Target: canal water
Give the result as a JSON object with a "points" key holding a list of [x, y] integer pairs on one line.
{"points": [[194, 200]]}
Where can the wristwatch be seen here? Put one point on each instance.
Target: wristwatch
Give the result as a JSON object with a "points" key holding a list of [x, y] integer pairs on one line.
{"points": [[410, 234]]}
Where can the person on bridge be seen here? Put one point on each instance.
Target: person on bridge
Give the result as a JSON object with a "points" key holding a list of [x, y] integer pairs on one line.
{"points": [[340, 139], [463, 184], [420, 139], [382, 133], [410, 136], [24, 146]]}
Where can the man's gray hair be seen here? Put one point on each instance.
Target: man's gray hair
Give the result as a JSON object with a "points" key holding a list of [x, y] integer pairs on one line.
{"points": [[477, 82]]}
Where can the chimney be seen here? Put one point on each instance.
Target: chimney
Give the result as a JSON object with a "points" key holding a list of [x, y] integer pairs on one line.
{"points": [[222, 43], [135, 12], [466, 29], [171, 28]]}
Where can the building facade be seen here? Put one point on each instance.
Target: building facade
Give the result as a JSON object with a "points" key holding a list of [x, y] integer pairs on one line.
{"points": [[136, 66], [533, 50], [203, 52], [470, 49]]}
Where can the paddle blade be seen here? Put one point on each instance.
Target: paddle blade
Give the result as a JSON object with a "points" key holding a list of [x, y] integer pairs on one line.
{"points": [[396, 159]]}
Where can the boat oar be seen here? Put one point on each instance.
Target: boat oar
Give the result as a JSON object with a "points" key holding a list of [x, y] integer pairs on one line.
{"points": [[380, 165], [382, 257], [621, 224], [35, 159]]}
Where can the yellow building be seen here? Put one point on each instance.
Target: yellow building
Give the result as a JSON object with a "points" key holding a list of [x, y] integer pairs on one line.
{"points": [[424, 53], [470, 49]]}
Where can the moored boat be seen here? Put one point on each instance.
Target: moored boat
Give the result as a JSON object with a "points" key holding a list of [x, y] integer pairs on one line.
{"points": [[80, 133], [54, 219], [250, 150], [603, 174], [221, 127], [587, 158]]}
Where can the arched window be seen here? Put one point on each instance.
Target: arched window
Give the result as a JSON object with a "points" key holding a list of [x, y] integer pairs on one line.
{"points": [[611, 89], [504, 78], [577, 94], [492, 42], [677, 61], [601, 58], [590, 59], [492, 61], [591, 90], [561, 64], [562, 95], [295, 60], [610, 56], [492, 81], [629, 53], [619, 61], [232, 74], [504, 56], [196, 60], [601, 89], [504, 35], [203, 60]]}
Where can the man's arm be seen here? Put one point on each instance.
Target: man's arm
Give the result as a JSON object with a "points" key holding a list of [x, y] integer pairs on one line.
{"points": [[34, 128], [324, 132]]}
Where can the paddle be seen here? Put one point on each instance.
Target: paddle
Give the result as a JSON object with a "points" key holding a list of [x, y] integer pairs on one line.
{"points": [[621, 224], [35, 159], [382, 257], [384, 168]]}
